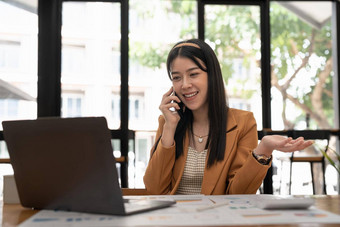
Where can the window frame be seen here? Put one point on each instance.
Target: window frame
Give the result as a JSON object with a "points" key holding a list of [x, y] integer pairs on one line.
{"points": [[49, 66]]}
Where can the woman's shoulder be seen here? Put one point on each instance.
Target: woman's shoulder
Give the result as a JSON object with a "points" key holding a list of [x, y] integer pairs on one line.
{"points": [[239, 113], [241, 119]]}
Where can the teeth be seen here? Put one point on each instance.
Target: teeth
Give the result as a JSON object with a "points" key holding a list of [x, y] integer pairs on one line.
{"points": [[190, 95]]}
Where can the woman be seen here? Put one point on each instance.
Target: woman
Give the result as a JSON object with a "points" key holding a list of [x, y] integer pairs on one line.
{"points": [[205, 147]]}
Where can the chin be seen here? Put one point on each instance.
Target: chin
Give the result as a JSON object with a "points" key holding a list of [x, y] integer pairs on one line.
{"points": [[192, 108]]}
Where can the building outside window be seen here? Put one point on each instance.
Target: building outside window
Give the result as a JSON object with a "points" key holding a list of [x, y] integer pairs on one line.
{"points": [[72, 105], [91, 57], [73, 61], [9, 54]]}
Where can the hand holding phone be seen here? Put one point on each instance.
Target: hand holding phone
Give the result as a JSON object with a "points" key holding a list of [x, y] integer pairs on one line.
{"points": [[171, 107]]}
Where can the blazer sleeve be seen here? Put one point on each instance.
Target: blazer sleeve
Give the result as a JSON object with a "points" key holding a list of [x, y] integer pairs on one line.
{"points": [[246, 173], [158, 174]]}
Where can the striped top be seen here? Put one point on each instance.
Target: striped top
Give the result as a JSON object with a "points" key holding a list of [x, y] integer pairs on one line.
{"points": [[192, 178]]}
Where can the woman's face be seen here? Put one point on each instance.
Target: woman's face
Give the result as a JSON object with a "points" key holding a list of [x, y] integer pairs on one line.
{"points": [[190, 83]]}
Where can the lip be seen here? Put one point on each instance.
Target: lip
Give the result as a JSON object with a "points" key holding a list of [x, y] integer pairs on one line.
{"points": [[189, 96]]}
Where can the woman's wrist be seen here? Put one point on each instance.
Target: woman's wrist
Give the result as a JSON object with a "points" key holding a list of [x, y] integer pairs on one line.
{"points": [[262, 149], [169, 128], [168, 136]]}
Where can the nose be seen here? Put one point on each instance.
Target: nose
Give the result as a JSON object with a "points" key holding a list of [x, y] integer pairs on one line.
{"points": [[186, 82]]}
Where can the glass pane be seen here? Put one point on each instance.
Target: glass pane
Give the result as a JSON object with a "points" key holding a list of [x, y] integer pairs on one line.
{"points": [[155, 26], [18, 63], [234, 33], [301, 60], [91, 60], [302, 84], [18, 69]]}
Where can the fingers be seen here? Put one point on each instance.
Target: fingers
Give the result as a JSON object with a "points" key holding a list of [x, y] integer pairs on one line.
{"points": [[169, 96], [169, 92], [287, 140], [285, 144], [305, 144], [169, 105], [296, 145]]}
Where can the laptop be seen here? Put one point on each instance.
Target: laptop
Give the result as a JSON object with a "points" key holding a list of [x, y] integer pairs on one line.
{"points": [[68, 164]]}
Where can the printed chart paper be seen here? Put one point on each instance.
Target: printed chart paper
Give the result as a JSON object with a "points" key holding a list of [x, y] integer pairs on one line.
{"points": [[191, 211]]}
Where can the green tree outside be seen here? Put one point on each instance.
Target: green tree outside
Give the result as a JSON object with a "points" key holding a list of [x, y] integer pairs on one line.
{"points": [[299, 53]]}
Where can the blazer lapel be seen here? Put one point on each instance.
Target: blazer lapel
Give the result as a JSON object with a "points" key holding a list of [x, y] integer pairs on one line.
{"points": [[212, 174]]}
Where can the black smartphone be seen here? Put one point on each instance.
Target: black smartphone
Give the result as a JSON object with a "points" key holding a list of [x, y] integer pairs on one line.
{"points": [[181, 107]]}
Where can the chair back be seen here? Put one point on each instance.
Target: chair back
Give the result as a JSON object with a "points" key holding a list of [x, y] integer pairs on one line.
{"points": [[311, 135]]}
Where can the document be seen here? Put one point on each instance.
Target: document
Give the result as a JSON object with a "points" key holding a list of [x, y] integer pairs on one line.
{"points": [[191, 211]]}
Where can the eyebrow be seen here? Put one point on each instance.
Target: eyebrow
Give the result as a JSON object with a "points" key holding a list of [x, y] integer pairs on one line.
{"points": [[191, 69]]}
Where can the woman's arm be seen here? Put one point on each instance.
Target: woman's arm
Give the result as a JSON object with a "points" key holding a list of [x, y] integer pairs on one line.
{"points": [[158, 174], [246, 174]]}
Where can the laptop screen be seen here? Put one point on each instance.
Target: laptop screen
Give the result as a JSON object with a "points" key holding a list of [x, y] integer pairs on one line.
{"points": [[64, 163]]}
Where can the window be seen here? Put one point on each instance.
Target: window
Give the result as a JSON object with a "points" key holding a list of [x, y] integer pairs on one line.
{"points": [[9, 108], [115, 111], [113, 63], [18, 69], [91, 58], [234, 33], [72, 105], [73, 61], [136, 107], [302, 75], [9, 55], [18, 63], [98, 49], [148, 79], [148, 51]]}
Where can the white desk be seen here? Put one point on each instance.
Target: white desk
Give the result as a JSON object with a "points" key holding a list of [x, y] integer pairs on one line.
{"points": [[239, 211]]}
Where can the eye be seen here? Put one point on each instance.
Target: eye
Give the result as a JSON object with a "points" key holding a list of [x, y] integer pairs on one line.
{"points": [[194, 74], [176, 78]]}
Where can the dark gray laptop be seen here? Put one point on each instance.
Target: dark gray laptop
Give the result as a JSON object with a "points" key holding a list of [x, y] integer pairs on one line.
{"points": [[68, 164]]}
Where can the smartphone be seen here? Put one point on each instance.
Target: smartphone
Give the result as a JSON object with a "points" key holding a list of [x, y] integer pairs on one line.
{"points": [[181, 107]]}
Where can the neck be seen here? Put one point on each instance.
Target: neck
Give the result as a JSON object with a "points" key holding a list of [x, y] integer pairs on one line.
{"points": [[200, 116], [200, 125]]}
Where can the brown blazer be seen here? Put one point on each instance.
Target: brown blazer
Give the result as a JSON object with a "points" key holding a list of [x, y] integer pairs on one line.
{"points": [[238, 173]]}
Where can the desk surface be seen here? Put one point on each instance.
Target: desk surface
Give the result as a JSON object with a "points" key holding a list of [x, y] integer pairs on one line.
{"points": [[14, 214]]}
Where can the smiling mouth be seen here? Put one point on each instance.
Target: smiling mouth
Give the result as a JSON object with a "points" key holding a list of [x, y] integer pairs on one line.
{"points": [[190, 95]]}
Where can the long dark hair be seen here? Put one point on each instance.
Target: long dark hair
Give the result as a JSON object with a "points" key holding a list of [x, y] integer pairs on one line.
{"points": [[195, 49]]}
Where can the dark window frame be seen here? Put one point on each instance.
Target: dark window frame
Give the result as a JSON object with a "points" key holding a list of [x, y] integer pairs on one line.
{"points": [[49, 66], [49, 69], [265, 63]]}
